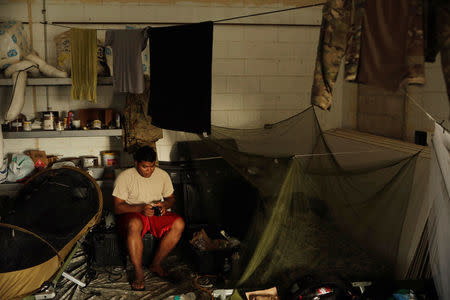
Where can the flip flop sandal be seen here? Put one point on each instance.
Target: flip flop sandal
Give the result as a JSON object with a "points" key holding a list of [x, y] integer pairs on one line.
{"points": [[138, 283], [164, 275]]}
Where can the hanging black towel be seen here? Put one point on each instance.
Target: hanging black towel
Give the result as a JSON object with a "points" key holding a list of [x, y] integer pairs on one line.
{"points": [[180, 77]]}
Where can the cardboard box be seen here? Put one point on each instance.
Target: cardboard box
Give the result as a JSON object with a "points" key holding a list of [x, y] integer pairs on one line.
{"points": [[86, 116], [39, 158]]}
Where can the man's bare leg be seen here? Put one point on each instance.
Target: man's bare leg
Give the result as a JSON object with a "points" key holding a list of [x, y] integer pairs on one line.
{"points": [[135, 250], [166, 245]]}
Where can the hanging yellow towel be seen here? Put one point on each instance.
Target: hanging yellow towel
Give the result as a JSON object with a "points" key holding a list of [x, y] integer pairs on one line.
{"points": [[84, 64]]}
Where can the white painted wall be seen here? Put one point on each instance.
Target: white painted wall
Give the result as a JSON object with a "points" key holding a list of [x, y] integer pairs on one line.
{"points": [[261, 73]]}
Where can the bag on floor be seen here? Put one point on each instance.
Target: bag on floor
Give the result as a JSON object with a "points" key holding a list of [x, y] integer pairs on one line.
{"points": [[21, 166]]}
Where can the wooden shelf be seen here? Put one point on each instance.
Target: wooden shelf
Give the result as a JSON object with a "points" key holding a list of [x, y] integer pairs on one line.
{"points": [[61, 134], [46, 81]]}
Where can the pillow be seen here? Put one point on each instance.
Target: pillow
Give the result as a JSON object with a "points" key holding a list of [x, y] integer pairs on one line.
{"points": [[63, 56]]}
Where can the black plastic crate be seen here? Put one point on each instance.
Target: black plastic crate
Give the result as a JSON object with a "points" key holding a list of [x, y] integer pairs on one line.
{"points": [[210, 262], [150, 247], [206, 262], [110, 249]]}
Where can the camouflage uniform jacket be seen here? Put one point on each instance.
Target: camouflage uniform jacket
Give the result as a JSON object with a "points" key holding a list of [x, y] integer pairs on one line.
{"points": [[340, 37]]}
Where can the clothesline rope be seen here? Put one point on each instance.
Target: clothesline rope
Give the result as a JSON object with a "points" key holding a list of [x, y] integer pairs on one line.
{"points": [[221, 20], [337, 153], [268, 12], [425, 112], [283, 10]]}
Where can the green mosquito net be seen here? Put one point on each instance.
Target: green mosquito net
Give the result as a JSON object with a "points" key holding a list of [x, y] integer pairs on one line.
{"points": [[327, 205]]}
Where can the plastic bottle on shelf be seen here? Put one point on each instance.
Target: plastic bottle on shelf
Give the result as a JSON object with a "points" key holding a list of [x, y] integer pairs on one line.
{"points": [[187, 296], [70, 117], [117, 119]]}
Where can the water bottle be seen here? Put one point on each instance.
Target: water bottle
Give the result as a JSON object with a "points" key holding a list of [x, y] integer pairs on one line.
{"points": [[117, 120], [187, 296]]}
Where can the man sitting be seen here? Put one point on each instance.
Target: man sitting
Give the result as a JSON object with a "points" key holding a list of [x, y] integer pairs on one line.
{"points": [[138, 192]]}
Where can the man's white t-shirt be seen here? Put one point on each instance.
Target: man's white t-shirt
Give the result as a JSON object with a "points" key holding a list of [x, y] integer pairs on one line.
{"points": [[135, 189]]}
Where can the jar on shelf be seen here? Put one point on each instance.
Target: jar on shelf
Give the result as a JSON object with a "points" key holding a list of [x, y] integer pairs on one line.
{"points": [[50, 119], [96, 124], [17, 124], [26, 125], [59, 126]]}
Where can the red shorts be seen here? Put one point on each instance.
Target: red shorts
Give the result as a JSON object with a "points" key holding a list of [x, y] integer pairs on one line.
{"points": [[157, 226]]}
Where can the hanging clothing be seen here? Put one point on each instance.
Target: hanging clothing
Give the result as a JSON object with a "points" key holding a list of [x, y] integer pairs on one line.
{"points": [[415, 59], [436, 27], [84, 64], [437, 35], [445, 51], [383, 50], [180, 77], [137, 128], [341, 37], [127, 46]]}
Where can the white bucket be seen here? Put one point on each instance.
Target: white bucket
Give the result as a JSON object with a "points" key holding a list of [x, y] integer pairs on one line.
{"points": [[110, 158]]}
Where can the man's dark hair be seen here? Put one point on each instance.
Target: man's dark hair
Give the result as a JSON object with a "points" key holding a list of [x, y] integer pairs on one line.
{"points": [[145, 153]]}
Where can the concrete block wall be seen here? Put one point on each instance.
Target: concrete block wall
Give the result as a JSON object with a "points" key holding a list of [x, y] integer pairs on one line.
{"points": [[381, 112], [400, 114], [262, 66], [432, 98]]}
